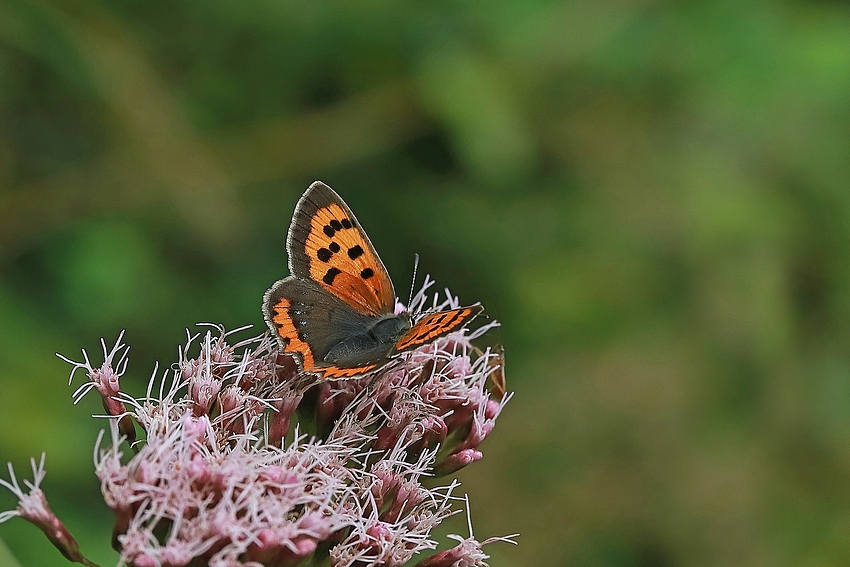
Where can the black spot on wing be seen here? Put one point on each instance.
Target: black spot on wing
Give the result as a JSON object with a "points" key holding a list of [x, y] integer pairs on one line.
{"points": [[355, 252], [329, 231], [367, 273], [329, 276], [449, 318], [324, 254], [346, 223], [334, 247]]}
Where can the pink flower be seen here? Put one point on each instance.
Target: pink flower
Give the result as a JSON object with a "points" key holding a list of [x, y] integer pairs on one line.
{"points": [[222, 478], [468, 553], [33, 507]]}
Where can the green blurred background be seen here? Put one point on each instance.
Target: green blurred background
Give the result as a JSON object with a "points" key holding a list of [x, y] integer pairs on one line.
{"points": [[651, 196]]}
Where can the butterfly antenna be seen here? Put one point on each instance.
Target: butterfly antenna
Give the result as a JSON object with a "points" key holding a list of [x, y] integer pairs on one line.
{"points": [[413, 283]]}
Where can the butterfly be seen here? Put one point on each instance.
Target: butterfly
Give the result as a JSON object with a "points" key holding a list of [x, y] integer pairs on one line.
{"points": [[335, 313]]}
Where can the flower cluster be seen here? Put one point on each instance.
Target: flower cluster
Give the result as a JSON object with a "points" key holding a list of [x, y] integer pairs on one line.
{"points": [[242, 461]]}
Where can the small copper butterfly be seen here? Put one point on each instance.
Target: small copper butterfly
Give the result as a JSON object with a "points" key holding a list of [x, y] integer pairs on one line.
{"points": [[336, 311]]}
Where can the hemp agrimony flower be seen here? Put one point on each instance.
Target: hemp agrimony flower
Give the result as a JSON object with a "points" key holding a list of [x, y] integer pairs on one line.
{"points": [[233, 459]]}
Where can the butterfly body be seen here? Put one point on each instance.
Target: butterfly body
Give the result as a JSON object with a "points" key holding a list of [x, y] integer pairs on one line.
{"points": [[336, 312]]}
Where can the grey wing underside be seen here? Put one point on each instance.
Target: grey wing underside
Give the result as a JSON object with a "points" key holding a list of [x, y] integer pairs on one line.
{"points": [[337, 334]]}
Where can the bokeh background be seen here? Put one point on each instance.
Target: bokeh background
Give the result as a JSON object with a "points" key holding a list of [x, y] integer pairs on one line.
{"points": [[652, 197]]}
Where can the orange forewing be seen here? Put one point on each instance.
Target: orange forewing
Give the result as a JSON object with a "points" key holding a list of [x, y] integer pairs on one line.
{"points": [[289, 336], [345, 263], [435, 325]]}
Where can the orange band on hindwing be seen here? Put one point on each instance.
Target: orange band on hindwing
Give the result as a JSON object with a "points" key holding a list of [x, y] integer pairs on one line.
{"points": [[289, 338], [336, 373]]}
